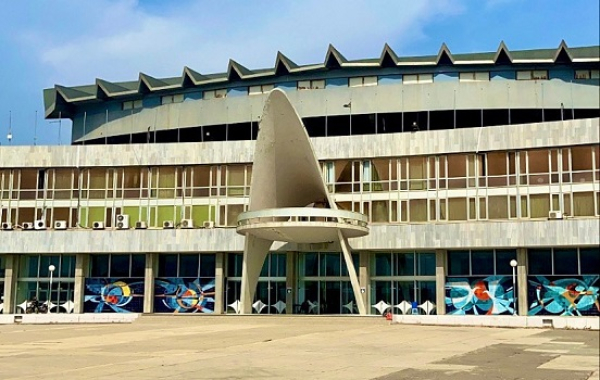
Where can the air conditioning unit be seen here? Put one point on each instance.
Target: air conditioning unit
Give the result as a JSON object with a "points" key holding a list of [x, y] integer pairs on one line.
{"points": [[39, 225], [168, 224], [208, 224], [60, 224], [555, 215], [141, 225], [7, 226], [186, 223], [27, 226], [98, 225], [122, 221]]}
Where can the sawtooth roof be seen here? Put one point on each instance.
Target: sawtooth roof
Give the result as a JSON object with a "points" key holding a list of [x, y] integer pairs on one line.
{"points": [[59, 100]]}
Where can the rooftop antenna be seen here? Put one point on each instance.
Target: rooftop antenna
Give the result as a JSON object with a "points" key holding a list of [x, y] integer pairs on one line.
{"points": [[35, 130], [9, 136], [59, 126]]}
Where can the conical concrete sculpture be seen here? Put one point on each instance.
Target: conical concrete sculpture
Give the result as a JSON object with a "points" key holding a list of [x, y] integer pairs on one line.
{"points": [[286, 178]]}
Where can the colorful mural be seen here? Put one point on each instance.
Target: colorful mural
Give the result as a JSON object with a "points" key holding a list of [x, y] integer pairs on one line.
{"points": [[492, 295], [184, 295], [564, 296], [114, 295]]}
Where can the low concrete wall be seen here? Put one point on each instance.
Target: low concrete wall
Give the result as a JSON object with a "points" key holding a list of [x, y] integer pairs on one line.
{"points": [[557, 322], [7, 319]]}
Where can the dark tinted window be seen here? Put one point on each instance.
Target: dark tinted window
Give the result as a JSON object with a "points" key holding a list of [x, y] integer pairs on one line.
{"points": [[482, 262], [167, 265], [458, 263], [138, 265], [99, 265], [119, 266], [207, 265], [503, 258], [383, 264], [188, 265], [590, 260], [540, 261], [565, 261]]}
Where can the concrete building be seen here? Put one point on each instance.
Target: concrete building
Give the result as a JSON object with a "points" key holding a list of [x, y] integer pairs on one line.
{"points": [[460, 163]]}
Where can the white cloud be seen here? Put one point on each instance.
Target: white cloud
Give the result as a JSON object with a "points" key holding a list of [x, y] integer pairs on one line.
{"points": [[115, 40]]}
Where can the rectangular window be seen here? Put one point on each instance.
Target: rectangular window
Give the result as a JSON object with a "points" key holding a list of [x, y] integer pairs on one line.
{"points": [[417, 78], [458, 263], [483, 262], [503, 259], [318, 84], [99, 265], [188, 265], [590, 260], [540, 261], [565, 261], [532, 74], [383, 264], [132, 104], [405, 264], [587, 74], [168, 99], [426, 264], [362, 81], [260, 89], [167, 265], [478, 76], [215, 94]]}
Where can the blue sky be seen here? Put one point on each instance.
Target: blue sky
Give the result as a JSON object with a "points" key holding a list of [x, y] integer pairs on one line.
{"points": [[72, 42]]}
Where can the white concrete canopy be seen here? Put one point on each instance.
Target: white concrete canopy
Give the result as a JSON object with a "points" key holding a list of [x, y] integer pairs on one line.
{"points": [[286, 175]]}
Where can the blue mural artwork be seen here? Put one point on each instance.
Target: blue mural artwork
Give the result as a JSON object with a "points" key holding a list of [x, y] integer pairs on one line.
{"points": [[106, 295], [184, 295], [492, 295], [574, 296]]}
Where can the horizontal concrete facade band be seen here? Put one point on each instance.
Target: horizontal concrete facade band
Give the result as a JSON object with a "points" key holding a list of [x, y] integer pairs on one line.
{"points": [[437, 96], [513, 137], [509, 234]]}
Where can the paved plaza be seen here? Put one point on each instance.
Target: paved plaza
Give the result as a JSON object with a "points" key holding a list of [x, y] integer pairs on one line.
{"points": [[292, 347]]}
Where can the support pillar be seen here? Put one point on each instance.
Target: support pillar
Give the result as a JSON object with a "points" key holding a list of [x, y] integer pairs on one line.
{"points": [[10, 281], [440, 281], [219, 283], [255, 253], [347, 253], [364, 276], [150, 273], [81, 270], [291, 284], [522, 308]]}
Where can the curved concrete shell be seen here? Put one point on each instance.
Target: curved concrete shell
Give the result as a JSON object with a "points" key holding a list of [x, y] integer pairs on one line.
{"points": [[286, 175]]}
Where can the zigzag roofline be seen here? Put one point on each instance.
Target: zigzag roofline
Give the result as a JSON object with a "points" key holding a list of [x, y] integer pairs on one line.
{"points": [[103, 89]]}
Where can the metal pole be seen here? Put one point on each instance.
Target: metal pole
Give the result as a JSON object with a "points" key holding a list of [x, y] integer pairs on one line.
{"points": [[514, 291], [50, 292]]}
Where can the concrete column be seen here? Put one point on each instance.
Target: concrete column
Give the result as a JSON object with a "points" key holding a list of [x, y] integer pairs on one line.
{"points": [[149, 275], [10, 281], [81, 269], [354, 280], [219, 282], [291, 272], [523, 307], [440, 280], [364, 276], [255, 253]]}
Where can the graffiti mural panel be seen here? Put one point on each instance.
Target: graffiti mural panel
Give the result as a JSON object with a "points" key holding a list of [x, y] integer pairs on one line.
{"points": [[554, 295], [184, 295], [114, 295], [492, 295]]}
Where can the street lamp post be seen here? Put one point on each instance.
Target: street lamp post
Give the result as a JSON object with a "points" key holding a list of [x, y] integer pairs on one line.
{"points": [[51, 268], [513, 264]]}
